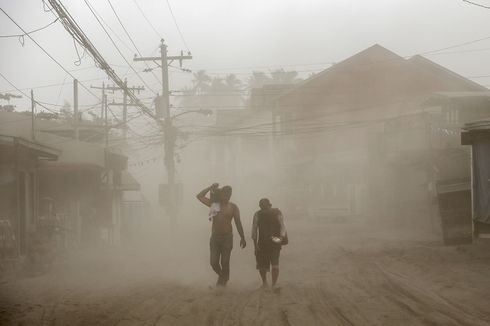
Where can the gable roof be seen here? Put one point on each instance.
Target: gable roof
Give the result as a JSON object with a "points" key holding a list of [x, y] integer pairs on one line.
{"points": [[375, 54], [376, 71], [431, 67]]}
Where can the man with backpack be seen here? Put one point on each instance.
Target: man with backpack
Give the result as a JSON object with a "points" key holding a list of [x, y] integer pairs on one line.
{"points": [[268, 234]]}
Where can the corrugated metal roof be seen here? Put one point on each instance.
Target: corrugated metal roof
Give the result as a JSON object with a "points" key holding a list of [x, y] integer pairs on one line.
{"points": [[41, 149], [478, 125]]}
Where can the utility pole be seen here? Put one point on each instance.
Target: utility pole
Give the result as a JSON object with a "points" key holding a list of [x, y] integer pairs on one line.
{"points": [[125, 110], [75, 108], [106, 123], [33, 116], [125, 103], [102, 108], [169, 131]]}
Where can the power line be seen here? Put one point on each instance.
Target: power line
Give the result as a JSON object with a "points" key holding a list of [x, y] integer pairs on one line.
{"points": [[60, 84], [177, 25], [430, 52], [477, 4], [114, 32], [131, 39], [239, 73], [31, 32], [310, 119], [122, 25], [455, 46], [47, 53], [25, 94], [229, 70], [77, 33], [147, 20], [61, 90], [117, 48]]}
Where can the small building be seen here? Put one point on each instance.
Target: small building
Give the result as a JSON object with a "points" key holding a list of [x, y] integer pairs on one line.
{"points": [[19, 191], [477, 135], [355, 137], [80, 193]]}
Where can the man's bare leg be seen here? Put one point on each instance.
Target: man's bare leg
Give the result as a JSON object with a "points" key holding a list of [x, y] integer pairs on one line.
{"points": [[263, 275], [275, 274]]}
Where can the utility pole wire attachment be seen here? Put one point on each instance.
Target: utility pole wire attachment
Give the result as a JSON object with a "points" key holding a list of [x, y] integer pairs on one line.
{"points": [[76, 32], [46, 52], [21, 36]]}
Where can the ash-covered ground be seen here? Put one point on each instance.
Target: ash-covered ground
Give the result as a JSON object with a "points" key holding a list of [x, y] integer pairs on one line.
{"points": [[331, 274]]}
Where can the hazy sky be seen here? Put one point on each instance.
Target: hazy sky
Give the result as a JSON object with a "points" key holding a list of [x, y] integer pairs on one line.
{"points": [[229, 36]]}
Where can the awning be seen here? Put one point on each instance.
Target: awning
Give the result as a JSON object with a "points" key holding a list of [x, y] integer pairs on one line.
{"points": [[40, 150], [68, 167]]}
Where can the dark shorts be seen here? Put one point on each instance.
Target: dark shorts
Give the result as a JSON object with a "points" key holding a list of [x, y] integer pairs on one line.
{"points": [[268, 256]]}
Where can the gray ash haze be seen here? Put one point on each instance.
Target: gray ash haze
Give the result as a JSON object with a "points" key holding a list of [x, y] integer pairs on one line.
{"points": [[237, 36], [365, 123]]}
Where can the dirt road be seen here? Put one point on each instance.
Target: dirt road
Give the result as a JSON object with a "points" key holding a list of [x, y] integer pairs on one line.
{"points": [[331, 275]]}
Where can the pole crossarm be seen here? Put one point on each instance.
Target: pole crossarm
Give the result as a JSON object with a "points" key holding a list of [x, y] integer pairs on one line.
{"points": [[146, 58], [121, 104], [173, 58], [117, 88]]}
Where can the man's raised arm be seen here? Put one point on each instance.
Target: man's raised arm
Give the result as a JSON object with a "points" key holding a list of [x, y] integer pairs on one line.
{"points": [[239, 227], [202, 195]]}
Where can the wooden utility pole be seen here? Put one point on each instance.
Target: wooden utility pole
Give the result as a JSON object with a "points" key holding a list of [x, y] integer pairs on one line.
{"points": [[125, 103], [125, 110], [106, 123], [169, 133], [33, 116], [75, 109], [102, 107]]}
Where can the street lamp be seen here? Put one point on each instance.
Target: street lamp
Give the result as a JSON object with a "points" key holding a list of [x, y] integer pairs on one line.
{"points": [[205, 112]]}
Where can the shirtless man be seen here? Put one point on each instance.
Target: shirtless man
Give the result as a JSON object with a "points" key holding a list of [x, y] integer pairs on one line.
{"points": [[221, 242]]}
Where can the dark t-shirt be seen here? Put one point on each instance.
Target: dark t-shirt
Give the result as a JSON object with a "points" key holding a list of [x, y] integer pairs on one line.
{"points": [[268, 225]]}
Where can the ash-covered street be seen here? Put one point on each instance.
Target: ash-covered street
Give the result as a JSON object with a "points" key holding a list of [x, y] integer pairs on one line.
{"points": [[340, 147], [331, 274]]}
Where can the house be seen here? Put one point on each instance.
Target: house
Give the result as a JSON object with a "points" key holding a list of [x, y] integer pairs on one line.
{"points": [[19, 190], [243, 153], [477, 135], [81, 192], [336, 137]]}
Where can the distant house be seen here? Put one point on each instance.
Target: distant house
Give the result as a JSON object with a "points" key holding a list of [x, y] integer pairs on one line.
{"points": [[421, 150], [80, 190], [243, 153], [334, 128], [19, 190]]}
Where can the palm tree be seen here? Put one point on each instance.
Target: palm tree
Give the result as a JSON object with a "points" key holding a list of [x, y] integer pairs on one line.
{"points": [[232, 82], [258, 79], [217, 85], [215, 92], [280, 76], [201, 81]]}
